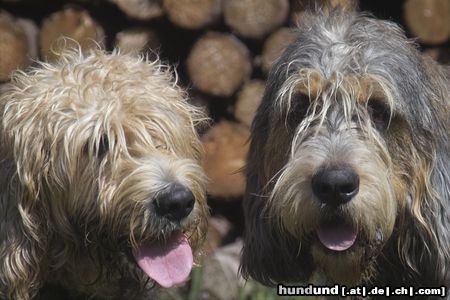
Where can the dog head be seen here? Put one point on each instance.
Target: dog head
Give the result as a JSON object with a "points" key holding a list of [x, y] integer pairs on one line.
{"points": [[107, 159], [347, 158]]}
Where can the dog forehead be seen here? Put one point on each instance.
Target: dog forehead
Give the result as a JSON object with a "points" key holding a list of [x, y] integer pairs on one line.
{"points": [[97, 91], [361, 87], [108, 85], [95, 105], [351, 44]]}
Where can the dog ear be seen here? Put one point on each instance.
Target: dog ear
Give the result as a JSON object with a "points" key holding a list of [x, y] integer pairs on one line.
{"points": [[23, 236], [269, 255], [424, 237], [22, 243]]}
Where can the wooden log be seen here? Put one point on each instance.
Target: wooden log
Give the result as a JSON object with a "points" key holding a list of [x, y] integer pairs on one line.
{"points": [[255, 18], [312, 4], [248, 100], [298, 8], [141, 9], [344, 4], [32, 32], [192, 14], [226, 150], [429, 20], [76, 24], [274, 46], [137, 41], [218, 64], [13, 46]]}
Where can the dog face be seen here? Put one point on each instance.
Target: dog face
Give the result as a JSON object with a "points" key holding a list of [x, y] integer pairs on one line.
{"points": [[106, 150], [338, 166], [333, 187]]}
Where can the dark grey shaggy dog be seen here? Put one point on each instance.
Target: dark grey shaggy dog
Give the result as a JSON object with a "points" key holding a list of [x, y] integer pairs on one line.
{"points": [[348, 179]]}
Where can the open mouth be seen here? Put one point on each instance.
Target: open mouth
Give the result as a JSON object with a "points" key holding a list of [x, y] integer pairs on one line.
{"points": [[168, 264], [337, 234]]}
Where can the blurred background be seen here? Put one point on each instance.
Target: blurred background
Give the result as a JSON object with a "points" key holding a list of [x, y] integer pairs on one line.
{"points": [[222, 51]]}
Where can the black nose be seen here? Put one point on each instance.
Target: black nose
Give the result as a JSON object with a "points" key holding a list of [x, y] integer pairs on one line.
{"points": [[335, 185], [175, 202]]}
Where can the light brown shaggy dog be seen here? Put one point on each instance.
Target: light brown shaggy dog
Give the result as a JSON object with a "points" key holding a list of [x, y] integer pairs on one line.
{"points": [[101, 186]]}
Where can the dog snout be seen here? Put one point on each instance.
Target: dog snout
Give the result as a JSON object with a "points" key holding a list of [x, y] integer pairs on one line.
{"points": [[335, 185], [174, 202]]}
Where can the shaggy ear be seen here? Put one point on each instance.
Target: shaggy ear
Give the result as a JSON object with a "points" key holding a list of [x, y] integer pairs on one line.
{"points": [[22, 245], [23, 237], [269, 255], [424, 237]]}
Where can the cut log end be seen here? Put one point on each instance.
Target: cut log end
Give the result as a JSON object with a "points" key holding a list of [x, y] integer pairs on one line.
{"points": [[76, 25], [429, 20], [192, 14], [299, 8], [274, 46], [218, 64], [226, 150], [138, 41], [141, 9], [13, 46], [255, 18], [248, 100]]}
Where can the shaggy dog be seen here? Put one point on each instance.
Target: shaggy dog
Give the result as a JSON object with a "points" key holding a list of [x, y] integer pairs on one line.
{"points": [[348, 177], [101, 187]]}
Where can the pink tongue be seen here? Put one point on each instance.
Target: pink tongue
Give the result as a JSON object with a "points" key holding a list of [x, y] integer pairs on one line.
{"points": [[168, 264], [337, 237]]}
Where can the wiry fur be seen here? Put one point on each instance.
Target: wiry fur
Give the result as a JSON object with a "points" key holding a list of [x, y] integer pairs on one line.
{"points": [[318, 111], [86, 144]]}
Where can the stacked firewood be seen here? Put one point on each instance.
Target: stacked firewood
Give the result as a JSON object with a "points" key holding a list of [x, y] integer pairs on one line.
{"points": [[223, 50]]}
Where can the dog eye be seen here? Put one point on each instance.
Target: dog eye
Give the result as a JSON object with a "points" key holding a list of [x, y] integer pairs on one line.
{"points": [[99, 149], [161, 147], [379, 113], [103, 146], [299, 108]]}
